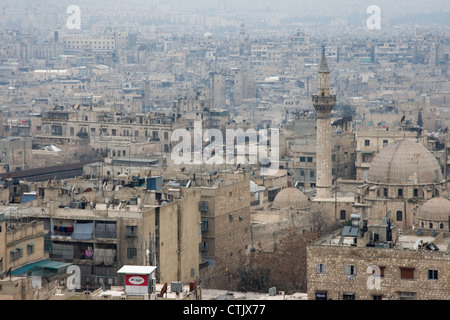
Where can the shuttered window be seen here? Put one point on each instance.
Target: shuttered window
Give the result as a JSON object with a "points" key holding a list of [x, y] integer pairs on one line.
{"points": [[321, 268], [407, 273]]}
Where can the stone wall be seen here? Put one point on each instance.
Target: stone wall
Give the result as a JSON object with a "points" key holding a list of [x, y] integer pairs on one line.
{"points": [[335, 282]]}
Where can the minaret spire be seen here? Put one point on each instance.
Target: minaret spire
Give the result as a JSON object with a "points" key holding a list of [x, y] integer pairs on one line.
{"points": [[323, 63], [323, 103]]}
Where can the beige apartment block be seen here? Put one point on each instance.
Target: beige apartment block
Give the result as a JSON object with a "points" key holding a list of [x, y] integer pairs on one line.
{"points": [[101, 234], [21, 243]]}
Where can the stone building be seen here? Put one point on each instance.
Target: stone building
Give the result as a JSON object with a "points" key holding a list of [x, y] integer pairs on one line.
{"points": [[435, 215], [401, 178], [360, 266], [369, 142], [290, 209], [225, 220]]}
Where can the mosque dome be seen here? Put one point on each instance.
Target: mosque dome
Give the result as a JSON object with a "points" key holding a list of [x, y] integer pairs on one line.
{"points": [[290, 198], [435, 209], [404, 162]]}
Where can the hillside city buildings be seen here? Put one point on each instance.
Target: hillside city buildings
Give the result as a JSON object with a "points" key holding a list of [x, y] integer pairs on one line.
{"points": [[94, 204]]}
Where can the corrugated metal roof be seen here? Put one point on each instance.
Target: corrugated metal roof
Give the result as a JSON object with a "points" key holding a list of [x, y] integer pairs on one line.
{"points": [[43, 264]]}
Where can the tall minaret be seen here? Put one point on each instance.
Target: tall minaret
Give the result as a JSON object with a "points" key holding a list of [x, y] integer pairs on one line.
{"points": [[323, 103]]}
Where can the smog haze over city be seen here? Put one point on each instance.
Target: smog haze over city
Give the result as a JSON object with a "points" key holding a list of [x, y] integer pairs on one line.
{"points": [[225, 150]]}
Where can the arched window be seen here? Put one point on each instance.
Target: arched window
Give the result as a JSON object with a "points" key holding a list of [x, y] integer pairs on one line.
{"points": [[431, 225], [399, 216], [441, 226]]}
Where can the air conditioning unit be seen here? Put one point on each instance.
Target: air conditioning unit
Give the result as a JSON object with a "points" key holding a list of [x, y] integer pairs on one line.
{"points": [[176, 286]]}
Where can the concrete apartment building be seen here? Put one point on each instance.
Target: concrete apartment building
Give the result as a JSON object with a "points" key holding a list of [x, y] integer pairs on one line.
{"points": [[21, 243], [99, 234]]}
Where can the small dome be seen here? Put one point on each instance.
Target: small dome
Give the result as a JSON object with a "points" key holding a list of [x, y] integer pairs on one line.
{"points": [[436, 209], [404, 162], [291, 198]]}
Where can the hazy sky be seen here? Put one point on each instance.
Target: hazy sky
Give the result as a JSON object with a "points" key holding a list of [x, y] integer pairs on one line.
{"points": [[252, 11]]}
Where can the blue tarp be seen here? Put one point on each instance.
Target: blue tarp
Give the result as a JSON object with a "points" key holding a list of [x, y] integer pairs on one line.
{"points": [[27, 198]]}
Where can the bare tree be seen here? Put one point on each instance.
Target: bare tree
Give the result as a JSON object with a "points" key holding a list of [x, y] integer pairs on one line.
{"points": [[322, 223]]}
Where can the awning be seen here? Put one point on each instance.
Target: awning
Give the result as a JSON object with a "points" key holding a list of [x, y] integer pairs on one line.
{"points": [[39, 265]]}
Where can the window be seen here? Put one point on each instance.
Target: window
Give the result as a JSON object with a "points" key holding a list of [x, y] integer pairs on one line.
{"points": [[131, 253], [333, 157], [204, 246], [321, 295], [399, 216], [30, 248], [343, 215], [310, 159], [230, 217], [350, 270], [406, 295], [431, 225], [321, 268], [204, 225], [302, 159], [131, 231], [19, 252], [441, 226], [311, 174], [348, 296], [302, 173], [406, 273], [385, 143], [400, 192], [416, 193], [385, 192], [367, 143], [432, 275]]}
